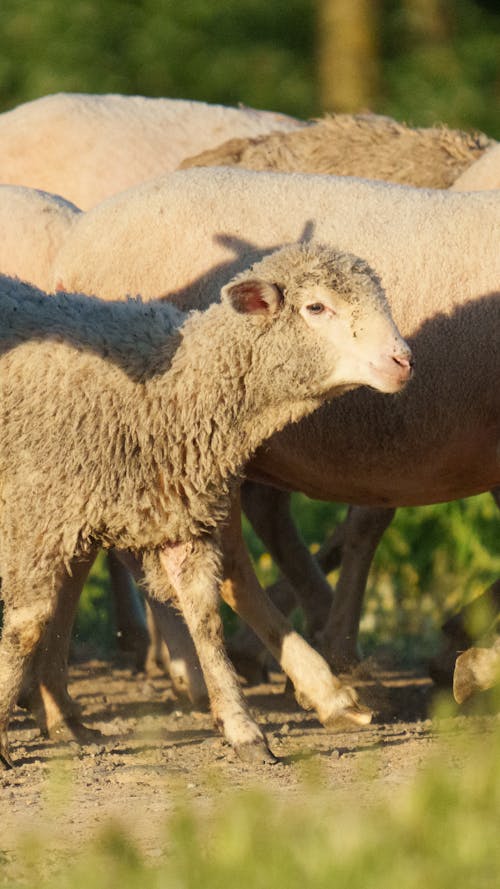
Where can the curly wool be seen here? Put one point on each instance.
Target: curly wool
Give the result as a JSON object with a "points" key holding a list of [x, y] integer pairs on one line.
{"points": [[128, 423], [367, 145]]}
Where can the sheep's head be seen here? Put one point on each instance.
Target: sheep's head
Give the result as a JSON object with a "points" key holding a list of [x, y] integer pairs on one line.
{"points": [[337, 315]]}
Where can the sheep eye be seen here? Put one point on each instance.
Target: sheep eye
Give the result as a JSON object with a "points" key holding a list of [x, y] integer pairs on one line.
{"points": [[316, 308]]}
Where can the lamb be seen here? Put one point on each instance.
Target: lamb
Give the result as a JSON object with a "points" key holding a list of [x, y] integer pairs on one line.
{"points": [[128, 424], [437, 253], [33, 226], [87, 147], [367, 145]]}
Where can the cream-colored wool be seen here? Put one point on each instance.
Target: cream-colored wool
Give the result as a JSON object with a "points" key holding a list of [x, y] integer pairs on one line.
{"points": [[127, 425], [33, 226], [481, 175], [87, 147], [185, 233], [367, 145]]}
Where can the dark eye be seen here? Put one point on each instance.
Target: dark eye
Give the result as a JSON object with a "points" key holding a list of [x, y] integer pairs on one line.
{"points": [[316, 308]]}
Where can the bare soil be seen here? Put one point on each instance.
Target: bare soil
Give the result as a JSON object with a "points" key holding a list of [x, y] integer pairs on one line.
{"points": [[154, 750]]}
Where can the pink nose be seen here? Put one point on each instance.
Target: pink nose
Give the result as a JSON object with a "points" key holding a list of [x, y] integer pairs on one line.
{"points": [[406, 362]]}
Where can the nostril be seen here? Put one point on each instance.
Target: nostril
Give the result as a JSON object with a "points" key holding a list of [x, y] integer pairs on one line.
{"points": [[406, 361]]}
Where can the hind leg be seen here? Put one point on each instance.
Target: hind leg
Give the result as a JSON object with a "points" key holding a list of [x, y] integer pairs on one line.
{"points": [[44, 691], [30, 599]]}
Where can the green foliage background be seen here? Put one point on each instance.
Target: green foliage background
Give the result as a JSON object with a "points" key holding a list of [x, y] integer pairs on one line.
{"points": [[249, 51], [264, 54]]}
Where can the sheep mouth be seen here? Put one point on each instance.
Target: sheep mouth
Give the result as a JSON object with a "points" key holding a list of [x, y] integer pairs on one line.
{"points": [[394, 373]]}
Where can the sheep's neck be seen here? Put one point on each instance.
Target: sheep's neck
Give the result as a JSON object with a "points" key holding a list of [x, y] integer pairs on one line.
{"points": [[216, 404]]}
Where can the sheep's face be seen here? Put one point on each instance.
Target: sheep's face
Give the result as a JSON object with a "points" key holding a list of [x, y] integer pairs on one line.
{"points": [[336, 315], [360, 335]]}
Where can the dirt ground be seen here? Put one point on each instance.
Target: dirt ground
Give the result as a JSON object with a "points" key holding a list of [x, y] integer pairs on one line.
{"points": [[152, 750]]}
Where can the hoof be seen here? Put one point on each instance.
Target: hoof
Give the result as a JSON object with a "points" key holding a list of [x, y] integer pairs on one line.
{"points": [[302, 700], [74, 730], [5, 760], [257, 753], [477, 669], [350, 711]]}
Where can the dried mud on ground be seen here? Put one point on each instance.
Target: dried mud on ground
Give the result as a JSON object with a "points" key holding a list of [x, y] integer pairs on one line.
{"points": [[153, 753]]}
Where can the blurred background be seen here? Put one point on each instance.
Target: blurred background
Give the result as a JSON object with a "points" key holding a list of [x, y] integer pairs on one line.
{"points": [[420, 61]]}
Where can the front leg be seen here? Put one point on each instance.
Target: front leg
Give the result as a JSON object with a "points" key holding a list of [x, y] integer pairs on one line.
{"points": [[313, 681], [194, 572]]}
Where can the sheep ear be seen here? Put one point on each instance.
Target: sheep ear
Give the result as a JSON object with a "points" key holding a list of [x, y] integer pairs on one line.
{"points": [[253, 297]]}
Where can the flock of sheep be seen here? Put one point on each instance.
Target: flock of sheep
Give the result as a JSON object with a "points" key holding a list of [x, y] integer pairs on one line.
{"points": [[229, 303]]}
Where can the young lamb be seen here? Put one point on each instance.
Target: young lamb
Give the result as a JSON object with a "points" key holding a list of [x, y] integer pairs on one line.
{"points": [[368, 145], [128, 424], [87, 147]]}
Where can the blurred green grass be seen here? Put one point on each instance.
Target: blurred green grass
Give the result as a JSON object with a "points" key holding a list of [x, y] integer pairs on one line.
{"points": [[438, 829], [431, 561]]}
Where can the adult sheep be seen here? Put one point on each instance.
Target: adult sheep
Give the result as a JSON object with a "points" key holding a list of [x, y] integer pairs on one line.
{"points": [[375, 147], [87, 147], [33, 226], [483, 174], [156, 417], [368, 145], [438, 258]]}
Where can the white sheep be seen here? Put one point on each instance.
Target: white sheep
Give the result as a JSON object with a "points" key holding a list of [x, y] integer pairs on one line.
{"points": [[33, 225], [87, 147], [378, 148], [128, 424], [367, 145], [483, 174]]}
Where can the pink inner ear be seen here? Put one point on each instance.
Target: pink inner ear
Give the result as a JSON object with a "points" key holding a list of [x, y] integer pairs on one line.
{"points": [[255, 297]]}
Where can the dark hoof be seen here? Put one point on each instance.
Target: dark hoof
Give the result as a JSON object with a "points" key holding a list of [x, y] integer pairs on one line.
{"points": [[74, 730], [256, 753], [5, 760]]}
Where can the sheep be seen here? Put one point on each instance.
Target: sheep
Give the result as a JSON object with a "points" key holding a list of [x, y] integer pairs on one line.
{"points": [[33, 225], [476, 669], [379, 148], [367, 145], [86, 147], [437, 253], [128, 424], [483, 174]]}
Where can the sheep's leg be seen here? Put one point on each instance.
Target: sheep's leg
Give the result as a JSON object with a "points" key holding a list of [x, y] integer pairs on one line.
{"points": [[30, 600], [157, 656], [363, 529], [184, 667], [462, 629], [132, 631], [193, 569], [309, 672], [477, 669], [45, 693], [268, 509]]}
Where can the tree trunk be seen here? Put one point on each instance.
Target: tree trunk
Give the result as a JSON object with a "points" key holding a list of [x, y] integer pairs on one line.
{"points": [[348, 66]]}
